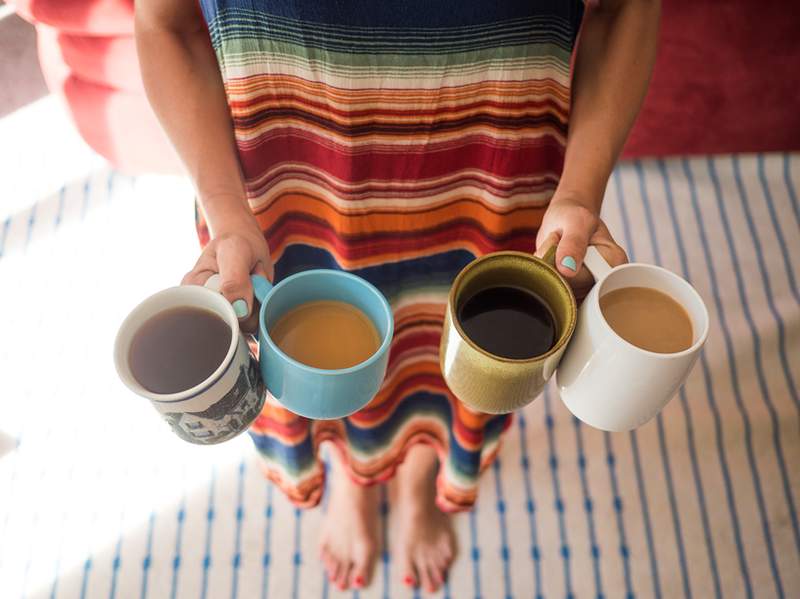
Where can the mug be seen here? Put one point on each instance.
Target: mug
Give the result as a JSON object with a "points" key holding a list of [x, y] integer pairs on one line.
{"points": [[223, 405], [610, 383], [486, 382], [314, 392]]}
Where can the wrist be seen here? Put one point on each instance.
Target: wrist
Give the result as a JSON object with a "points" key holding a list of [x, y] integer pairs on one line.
{"points": [[226, 213], [576, 197]]}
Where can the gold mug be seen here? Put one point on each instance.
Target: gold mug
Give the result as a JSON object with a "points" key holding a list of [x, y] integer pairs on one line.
{"points": [[494, 384]]}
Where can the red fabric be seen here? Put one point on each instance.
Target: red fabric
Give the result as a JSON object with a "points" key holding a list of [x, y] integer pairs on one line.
{"points": [[108, 61], [727, 79], [84, 17], [119, 125]]}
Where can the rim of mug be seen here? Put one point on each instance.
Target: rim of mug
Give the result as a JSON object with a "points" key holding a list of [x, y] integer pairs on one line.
{"points": [[134, 385], [701, 339], [563, 338], [385, 342]]}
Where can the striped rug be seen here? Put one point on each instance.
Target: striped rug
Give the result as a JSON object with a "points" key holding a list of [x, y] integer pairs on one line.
{"points": [[98, 500]]}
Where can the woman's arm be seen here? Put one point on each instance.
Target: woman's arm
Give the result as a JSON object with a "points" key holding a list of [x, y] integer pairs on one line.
{"points": [[185, 89], [614, 59]]}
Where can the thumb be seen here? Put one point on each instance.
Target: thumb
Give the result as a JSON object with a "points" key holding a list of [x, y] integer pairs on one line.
{"points": [[571, 250], [234, 271]]}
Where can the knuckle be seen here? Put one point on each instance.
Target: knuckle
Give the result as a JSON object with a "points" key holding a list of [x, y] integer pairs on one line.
{"points": [[231, 286]]}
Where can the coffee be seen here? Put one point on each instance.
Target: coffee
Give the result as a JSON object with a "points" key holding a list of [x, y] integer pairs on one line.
{"points": [[326, 334], [648, 319], [178, 348], [508, 322]]}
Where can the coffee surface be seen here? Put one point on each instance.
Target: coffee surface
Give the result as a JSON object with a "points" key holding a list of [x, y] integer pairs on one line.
{"points": [[509, 322], [326, 334], [178, 348], [648, 319]]}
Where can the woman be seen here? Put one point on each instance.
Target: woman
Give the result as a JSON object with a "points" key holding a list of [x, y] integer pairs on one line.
{"points": [[398, 140]]}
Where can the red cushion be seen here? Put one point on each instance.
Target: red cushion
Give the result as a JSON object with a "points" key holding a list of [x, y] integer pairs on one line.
{"points": [[110, 61], [727, 79], [118, 125], [100, 17]]}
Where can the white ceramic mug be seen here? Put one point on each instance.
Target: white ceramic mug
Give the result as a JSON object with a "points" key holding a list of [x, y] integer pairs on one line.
{"points": [[223, 405], [610, 383]]}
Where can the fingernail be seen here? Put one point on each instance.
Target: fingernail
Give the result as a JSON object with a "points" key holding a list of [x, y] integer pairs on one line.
{"points": [[569, 262], [408, 581], [359, 581], [240, 307]]}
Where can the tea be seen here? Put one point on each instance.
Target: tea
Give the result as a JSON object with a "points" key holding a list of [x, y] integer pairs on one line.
{"points": [[509, 322], [648, 319], [178, 348], [326, 334]]}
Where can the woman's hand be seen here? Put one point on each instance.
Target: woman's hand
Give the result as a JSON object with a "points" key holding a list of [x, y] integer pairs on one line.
{"points": [[237, 250], [572, 224]]}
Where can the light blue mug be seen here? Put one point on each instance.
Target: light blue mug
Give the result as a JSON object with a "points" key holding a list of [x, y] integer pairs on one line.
{"points": [[314, 392]]}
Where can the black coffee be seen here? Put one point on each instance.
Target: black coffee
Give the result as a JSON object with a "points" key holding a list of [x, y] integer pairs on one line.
{"points": [[508, 322], [178, 349]]}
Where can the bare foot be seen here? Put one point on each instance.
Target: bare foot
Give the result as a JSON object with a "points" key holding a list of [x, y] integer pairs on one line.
{"points": [[426, 543], [349, 542]]}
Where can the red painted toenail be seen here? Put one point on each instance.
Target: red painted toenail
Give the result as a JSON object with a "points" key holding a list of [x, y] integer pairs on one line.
{"points": [[359, 581], [408, 581]]}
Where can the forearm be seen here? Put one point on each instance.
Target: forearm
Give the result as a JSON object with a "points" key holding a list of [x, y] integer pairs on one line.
{"points": [[185, 89], [615, 57]]}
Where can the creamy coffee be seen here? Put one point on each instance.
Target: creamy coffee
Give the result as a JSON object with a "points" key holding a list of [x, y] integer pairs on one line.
{"points": [[326, 334], [648, 319]]}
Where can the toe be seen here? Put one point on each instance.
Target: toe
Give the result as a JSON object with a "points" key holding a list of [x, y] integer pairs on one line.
{"points": [[333, 568], [363, 566], [327, 562], [425, 580], [436, 576], [343, 576], [409, 572]]}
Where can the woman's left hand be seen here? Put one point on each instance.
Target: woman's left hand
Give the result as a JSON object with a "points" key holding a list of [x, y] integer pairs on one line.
{"points": [[569, 222]]}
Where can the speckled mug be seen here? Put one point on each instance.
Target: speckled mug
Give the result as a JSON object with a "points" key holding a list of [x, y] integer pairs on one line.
{"points": [[494, 384]]}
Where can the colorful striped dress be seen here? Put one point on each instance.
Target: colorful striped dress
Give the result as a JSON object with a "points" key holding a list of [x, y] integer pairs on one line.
{"points": [[398, 141]]}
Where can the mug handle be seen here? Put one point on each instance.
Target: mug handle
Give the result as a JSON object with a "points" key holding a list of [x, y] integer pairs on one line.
{"points": [[261, 287], [597, 265], [550, 255]]}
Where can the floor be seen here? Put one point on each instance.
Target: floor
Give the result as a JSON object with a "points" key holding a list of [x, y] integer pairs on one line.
{"points": [[99, 500], [18, 63]]}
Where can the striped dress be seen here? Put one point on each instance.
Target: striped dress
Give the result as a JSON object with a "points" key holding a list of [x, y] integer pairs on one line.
{"points": [[398, 141]]}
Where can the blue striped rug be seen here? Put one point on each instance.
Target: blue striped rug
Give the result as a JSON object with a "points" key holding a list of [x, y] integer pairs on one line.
{"points": [[99, 501]]}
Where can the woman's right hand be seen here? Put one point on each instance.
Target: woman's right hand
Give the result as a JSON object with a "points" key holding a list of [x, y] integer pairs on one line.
{"points": [[237, 249]]}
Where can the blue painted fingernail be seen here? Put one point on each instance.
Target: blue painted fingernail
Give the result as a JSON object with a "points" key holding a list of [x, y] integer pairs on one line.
{"points": [[569, 262], [240, 307]]}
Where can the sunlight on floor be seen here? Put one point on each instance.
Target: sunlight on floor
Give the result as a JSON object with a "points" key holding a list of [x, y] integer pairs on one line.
{"points": [[40, 151], [91, 459]]}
